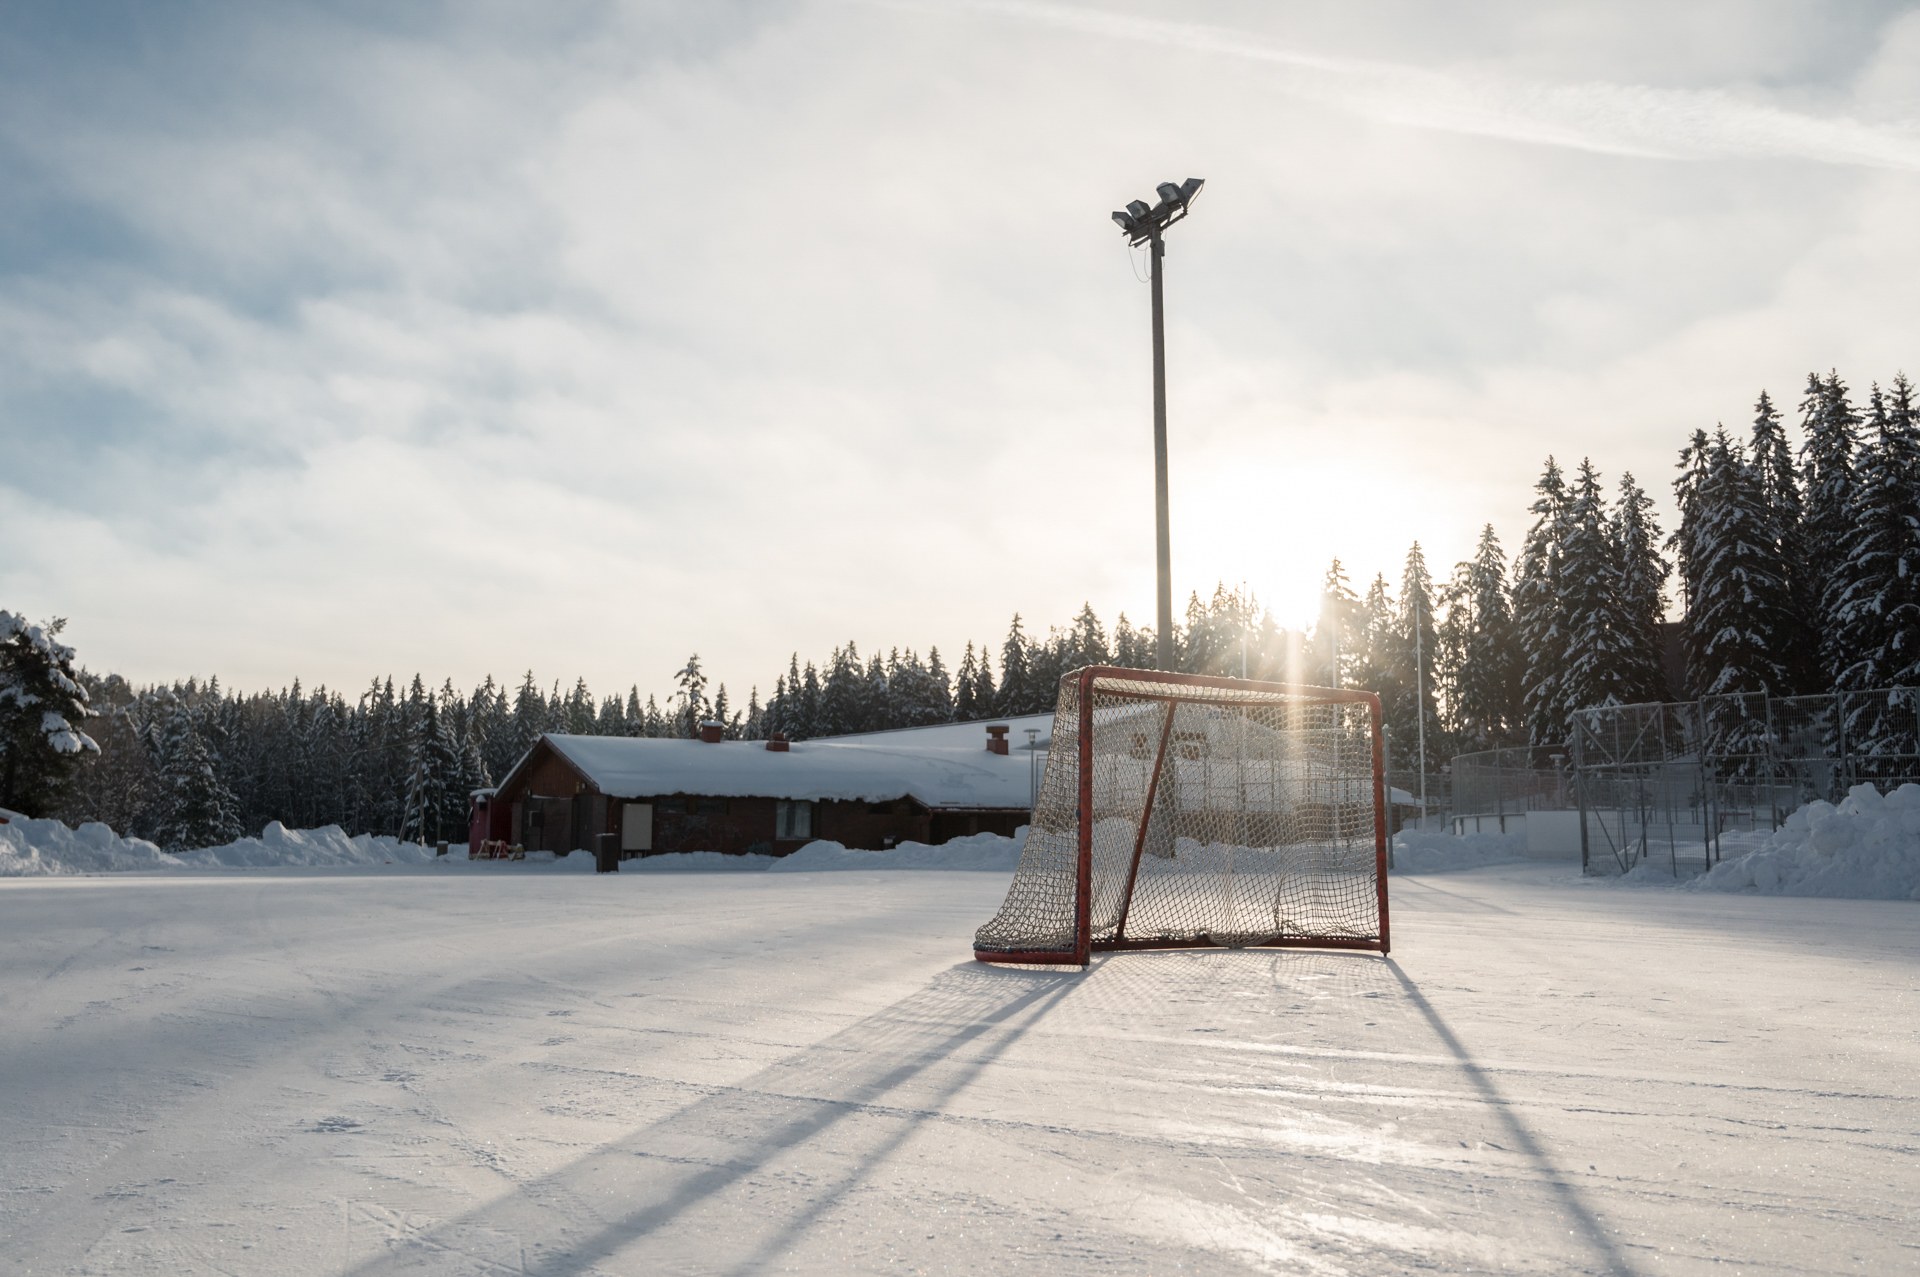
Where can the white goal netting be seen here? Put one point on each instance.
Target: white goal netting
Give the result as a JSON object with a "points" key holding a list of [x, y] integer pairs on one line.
{"points": [[1182, 811]]}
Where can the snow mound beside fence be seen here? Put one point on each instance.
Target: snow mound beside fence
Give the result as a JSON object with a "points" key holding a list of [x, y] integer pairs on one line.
{"points": [[1423, 851], [1868, 847], [44, 848], [976, 851]]}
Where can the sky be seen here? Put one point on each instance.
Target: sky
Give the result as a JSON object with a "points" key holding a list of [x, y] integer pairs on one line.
{"points": [[339, 340]]}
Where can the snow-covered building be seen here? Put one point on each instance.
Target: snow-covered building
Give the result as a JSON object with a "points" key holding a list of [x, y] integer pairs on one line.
{"points": [[920, 784]]}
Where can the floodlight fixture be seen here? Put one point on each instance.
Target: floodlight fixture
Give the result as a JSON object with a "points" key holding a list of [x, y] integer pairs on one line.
{"points": [[1143, 225]]}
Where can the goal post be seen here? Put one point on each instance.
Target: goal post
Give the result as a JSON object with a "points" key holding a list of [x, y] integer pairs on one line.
{"points": [[1179, 811]]}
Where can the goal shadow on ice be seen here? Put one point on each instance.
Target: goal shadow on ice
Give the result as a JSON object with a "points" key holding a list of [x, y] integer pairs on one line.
{"points": [[901, 1063], [1325, 991]]}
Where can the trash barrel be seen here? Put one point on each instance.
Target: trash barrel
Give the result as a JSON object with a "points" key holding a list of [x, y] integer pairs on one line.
{"points": [[606, 854]]}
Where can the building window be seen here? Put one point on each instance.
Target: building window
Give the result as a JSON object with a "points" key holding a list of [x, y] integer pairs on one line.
{"points": [[792, 819]]}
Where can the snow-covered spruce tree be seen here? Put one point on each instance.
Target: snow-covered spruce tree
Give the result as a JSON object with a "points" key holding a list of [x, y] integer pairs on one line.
{"points": [[1597, 667], [198, 810], [839, 704], [1643, 580], [1876, 620], [1373, 643], [1480, 674], [41, 708], [939, 688], [1738, 595], [1411, 705], [876, 700], [436, 801], [693, 707], [1539, 614], [1826, 460], [1332, 651], [1772, 460], [1089, 641], [1016, 690]]}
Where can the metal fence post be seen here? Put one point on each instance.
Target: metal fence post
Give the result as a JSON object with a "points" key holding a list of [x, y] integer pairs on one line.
{"points": [[1580, 794]]}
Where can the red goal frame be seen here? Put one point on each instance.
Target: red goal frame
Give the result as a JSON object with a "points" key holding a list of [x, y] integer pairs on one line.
{"points": [[1152, 690]]}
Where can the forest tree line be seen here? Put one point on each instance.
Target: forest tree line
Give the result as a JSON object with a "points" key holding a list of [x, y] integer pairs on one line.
{"points": [[1799, 571]]}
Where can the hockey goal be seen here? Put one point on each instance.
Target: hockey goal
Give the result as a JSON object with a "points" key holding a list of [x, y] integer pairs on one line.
{"points": [[1180, 811]]}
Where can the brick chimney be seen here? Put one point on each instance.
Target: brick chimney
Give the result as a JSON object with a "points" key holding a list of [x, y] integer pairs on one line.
{"points": [[710, 732], [778, 743], [997, 738]]}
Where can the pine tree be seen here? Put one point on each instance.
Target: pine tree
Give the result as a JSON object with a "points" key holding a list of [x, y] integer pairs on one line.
{"points": [[1539, 614], [1738, 598], [435, 800], [1832, 429], [840, 694], [1795, 638], [42, 705], [876, 712], [939, 688], [198, 810], [1739, 591], [809, 705], [1876, 618], [1481, 671], [1598, 665], [966, 703], [1016, 689], [1132, 649], [1374, 642], [1643, 578], [754, 725], [1331, 653], [1088, 641], [692, 699], [1409, 653]]}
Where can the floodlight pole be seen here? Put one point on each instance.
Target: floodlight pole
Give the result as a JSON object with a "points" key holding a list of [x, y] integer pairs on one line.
{"points": [[1144, 225], [1163, 535]]}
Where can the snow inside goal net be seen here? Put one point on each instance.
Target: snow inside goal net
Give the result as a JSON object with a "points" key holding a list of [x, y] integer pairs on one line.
{"points": [[1180, 811]]}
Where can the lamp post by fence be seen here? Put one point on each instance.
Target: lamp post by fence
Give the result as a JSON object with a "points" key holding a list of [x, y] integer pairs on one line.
{"points": [[1146, 225]]}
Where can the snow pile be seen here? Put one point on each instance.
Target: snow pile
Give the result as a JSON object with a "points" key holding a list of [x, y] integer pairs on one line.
{"points": [[976, 851], [1867, 847], [1432, 851], [38, 848], [329, 847]]}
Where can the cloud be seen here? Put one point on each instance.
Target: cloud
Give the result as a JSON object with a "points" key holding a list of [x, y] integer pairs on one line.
{"points": [[1608, 119], [463, 346]]}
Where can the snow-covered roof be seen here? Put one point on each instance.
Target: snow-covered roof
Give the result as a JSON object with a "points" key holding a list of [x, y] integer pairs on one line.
{"points": [[944, 766]]}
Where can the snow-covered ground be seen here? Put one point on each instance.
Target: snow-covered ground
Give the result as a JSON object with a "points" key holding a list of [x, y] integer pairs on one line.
{"points": [[502, 1068]]}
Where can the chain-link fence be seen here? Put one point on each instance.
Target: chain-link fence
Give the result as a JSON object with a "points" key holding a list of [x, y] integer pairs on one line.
{"points": [[1666, 781]]}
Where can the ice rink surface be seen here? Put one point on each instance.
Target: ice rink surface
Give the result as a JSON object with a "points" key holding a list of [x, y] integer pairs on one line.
{"points": [[431, 1072]]}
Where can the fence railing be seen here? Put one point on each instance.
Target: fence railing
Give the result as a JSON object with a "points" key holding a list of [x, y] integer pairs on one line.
{"points": [[1669, 779]]}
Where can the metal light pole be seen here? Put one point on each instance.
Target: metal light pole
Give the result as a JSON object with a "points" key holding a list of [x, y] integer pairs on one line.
{"points": [[1144, 225]]}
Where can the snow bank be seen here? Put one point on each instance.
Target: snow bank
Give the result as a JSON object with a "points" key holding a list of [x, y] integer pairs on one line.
{"points": [[38, 848], [1868, 847], [977, 851], [329, 847], [1432, 851]]}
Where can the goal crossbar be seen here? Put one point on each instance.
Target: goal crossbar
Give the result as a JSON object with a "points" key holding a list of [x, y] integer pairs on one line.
{"points": [[1183, 810]]}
